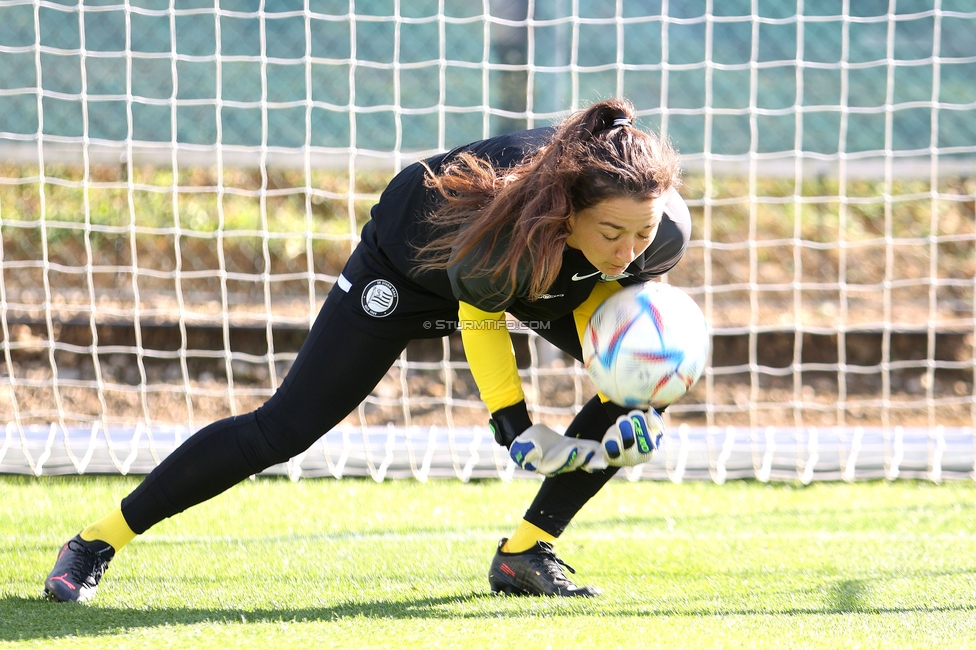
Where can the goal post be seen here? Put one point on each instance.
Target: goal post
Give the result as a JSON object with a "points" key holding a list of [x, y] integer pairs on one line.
{"points": [[181, 182]]}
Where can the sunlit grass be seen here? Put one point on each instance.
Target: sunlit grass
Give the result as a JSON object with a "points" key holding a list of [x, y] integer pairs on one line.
{"points": [[353, 563]]}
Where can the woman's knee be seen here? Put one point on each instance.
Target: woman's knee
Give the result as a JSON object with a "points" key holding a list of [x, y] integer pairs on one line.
{"points": [[270, 441]]}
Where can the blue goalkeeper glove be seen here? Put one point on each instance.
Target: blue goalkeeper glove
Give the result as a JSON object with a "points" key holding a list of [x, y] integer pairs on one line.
{"points": [[633, 438], [540, 449], [537, 448]]}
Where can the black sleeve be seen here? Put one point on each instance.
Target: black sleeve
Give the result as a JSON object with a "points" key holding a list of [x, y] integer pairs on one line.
{"points": [[508, 423], [476, 287], [669, 243]]}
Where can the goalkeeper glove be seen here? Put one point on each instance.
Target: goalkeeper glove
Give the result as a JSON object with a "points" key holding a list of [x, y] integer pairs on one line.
{"points": [[633, 438], [540, 449]]}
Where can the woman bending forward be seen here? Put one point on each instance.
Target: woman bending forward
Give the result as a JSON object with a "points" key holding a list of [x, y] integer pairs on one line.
{"points": [[542, 224]]}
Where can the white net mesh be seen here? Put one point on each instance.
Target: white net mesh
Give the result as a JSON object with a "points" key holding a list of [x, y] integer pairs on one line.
{"points": [[181, 182]]}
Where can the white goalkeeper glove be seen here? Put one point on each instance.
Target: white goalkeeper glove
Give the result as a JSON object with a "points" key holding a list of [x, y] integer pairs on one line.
{"points": [[634, 438], [540, 449]]}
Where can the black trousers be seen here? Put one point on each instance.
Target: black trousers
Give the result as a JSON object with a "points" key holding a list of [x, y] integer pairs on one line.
{"points": [[337, 367]]}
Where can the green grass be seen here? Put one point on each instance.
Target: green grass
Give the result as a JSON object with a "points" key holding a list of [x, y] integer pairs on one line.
{"points": [[321, 563]]}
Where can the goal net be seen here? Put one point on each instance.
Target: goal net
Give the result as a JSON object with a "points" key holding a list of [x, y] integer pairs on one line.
{"points": [[182, 180]]}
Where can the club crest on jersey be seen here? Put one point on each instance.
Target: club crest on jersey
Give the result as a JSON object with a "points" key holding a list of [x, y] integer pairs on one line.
{"points": [[380, 298]]}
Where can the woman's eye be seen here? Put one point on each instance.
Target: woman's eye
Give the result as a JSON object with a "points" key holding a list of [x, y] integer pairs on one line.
{"points": [[609, 238]]}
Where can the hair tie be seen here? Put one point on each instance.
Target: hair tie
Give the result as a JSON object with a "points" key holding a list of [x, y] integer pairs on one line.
{"points": [[622, 121]]}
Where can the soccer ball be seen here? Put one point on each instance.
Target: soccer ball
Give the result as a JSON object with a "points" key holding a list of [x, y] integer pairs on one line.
{"points": [[646, 345]]}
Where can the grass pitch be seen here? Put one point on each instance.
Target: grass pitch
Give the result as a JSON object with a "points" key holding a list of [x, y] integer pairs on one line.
{"points": [[355, 564]]}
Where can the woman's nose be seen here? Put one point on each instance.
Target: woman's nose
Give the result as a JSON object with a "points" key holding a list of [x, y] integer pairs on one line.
{"points": [[626, 254]]}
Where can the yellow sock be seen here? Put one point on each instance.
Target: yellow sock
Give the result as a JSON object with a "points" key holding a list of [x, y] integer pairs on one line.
{"points": [[112, 529], [525, 537]]}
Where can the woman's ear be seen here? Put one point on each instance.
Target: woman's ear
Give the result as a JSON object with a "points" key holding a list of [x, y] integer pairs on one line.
{"points": [[569, 231]]}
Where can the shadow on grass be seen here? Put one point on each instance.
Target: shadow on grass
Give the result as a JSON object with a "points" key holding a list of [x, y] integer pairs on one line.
{"points": [[34, 618], [849, 596]]}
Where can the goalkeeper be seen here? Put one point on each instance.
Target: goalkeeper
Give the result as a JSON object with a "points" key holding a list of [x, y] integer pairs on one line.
{"points": [[541, 224]]}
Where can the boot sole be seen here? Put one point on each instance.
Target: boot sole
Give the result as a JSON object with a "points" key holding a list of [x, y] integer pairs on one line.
{"points": [[500, 588]]}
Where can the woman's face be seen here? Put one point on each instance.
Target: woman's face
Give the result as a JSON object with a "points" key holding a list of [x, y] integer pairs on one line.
{"points": [[613, 232]]}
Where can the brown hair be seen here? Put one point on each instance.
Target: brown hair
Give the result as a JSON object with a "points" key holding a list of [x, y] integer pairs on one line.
{"points": [[595, 154]]}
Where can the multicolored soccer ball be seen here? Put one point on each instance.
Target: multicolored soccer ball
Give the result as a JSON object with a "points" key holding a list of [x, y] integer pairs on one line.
{"points": [[646, 345]]}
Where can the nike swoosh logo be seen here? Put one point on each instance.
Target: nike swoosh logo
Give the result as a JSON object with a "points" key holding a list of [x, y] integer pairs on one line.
{"points": [[577, 277]]}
